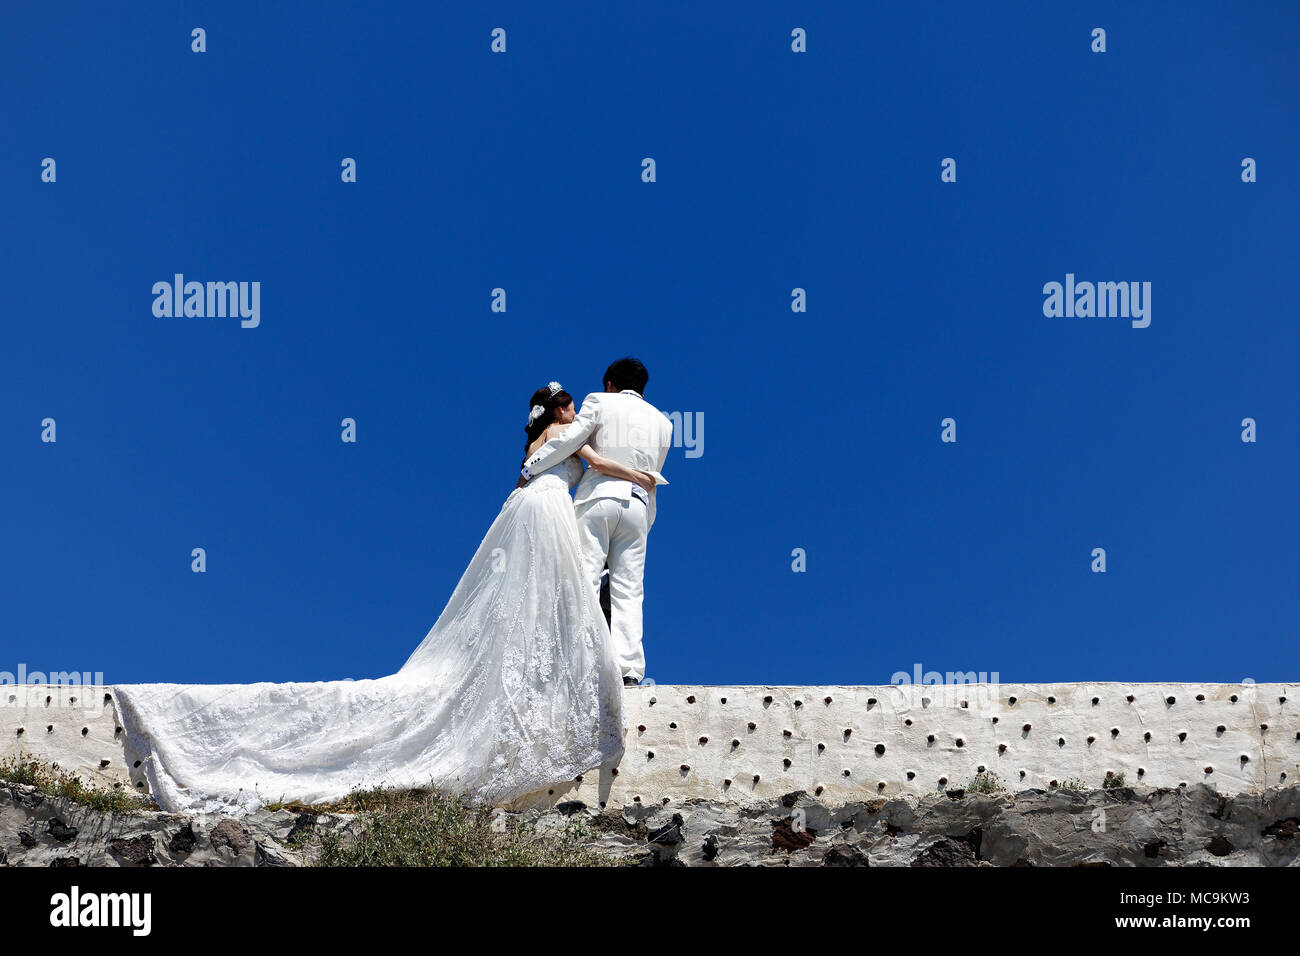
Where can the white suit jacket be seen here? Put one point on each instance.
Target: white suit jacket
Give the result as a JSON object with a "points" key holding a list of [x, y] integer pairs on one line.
{"points": [[623, 427]]}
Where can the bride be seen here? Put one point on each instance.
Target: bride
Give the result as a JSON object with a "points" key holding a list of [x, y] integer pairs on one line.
{"points": [[514, 688]]}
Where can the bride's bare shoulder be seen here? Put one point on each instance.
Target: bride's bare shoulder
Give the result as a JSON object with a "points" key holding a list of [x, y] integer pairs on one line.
{"points": [[550, 432]]}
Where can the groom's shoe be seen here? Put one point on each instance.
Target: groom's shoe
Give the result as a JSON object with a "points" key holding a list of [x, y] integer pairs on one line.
{"points": [[630, 682]]}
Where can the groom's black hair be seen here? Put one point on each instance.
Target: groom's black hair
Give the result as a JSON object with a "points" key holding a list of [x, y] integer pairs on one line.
{"points": [[627, 373]]}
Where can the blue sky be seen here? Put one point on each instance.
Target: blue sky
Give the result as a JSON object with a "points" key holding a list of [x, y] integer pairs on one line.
{"points": [[775, 170]]}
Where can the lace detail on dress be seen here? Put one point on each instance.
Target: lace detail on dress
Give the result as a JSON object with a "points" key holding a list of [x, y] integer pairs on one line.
{"points": [[514, 689]]}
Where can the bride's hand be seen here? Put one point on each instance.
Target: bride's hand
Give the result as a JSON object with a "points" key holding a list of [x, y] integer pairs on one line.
{"points": [[614, 470]]}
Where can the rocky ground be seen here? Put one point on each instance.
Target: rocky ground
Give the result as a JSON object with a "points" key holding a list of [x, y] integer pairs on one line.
{"points": [[1193, 826]]}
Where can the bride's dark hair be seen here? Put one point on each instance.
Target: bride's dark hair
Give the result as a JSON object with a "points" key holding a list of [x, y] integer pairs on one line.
{"points": [[549, 403]]}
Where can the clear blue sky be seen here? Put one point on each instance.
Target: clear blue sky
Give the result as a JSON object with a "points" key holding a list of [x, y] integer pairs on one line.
{"points": [[821, 430]]}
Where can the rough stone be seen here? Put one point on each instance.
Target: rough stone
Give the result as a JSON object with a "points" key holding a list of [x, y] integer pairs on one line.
{"points": [[1192, 826], [946, 853], [137, 850], [303, 825], [183, 840], [229, 835], [61, 831], [844, 855]]}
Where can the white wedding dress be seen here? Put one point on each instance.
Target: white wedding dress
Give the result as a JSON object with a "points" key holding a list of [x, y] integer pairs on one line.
{"points": [[514, 689]]}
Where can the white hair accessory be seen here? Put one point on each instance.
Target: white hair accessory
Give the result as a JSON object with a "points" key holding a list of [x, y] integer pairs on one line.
{"points": [[555, 387], [536, 412]]}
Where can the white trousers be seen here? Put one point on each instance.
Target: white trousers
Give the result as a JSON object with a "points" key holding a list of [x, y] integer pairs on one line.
{"points": [[614, 532]]}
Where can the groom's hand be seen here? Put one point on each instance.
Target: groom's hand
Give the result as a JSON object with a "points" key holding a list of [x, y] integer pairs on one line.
{"points": [[645, 480]]}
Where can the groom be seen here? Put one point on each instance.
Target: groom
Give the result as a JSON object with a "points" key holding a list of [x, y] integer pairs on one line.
{"points": [[614, 516]]}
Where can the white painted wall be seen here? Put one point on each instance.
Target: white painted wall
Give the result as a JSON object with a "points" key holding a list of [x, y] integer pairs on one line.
{"points": [[703, 745]]}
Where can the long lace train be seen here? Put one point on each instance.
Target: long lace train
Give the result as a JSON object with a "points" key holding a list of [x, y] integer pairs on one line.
{"points": [[513, 689]]}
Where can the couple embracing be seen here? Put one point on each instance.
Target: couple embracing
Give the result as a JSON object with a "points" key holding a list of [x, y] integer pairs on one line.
{"points": [[624, 441], [517, 687]]}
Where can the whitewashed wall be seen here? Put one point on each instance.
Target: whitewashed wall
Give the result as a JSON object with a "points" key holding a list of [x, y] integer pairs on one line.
{"points": [[842, 743]]}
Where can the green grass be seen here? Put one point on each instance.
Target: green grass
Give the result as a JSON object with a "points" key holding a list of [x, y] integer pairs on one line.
{"points": [[1071, 783], [429, 828], [1113, 781], [52, 781]]}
